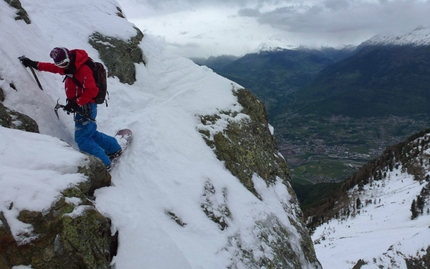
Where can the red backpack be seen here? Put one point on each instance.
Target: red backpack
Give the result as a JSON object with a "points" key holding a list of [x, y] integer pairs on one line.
{"points": [[99, 73]]}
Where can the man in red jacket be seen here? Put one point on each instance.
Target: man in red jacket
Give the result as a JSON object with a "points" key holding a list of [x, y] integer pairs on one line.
{"points": [[80, 101]]}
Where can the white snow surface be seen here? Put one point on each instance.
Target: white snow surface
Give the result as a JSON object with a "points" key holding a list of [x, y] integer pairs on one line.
{"points": [[164, 169], [382, 234]]}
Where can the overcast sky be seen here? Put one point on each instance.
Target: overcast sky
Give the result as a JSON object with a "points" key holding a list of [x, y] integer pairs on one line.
{"points": [[200, 28]]}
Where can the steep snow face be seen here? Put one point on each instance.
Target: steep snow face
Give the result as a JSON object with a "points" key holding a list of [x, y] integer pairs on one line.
{"points": [[381, 232], [166, 168], [418, 37]]}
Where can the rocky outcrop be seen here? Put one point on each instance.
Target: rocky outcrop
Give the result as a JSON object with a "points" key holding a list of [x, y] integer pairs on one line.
{"points": [[15, 120], [72, 232], [419, 262], [247, 147], [1, 94], [21, 13], [119, 56]]}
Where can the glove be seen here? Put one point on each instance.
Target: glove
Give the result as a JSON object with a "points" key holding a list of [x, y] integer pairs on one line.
{"points": [[71, 106], [27, 62]]}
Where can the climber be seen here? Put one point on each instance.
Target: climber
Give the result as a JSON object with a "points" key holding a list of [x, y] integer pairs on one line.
{"points": [[80, 101]]}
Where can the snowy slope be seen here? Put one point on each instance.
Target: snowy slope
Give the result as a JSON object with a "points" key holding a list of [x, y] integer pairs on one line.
{"points": [[382, 233], [168, 163]]}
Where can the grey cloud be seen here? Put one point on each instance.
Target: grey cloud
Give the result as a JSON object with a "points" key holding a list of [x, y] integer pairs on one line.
{"points": [[171, 6], [189, 45], [343, 21], [136, 8], [334, 16], [336, 4], [249, 12], [199, 36]]}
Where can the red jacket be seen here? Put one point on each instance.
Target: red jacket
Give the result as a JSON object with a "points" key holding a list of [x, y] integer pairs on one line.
{"points": [[83, 74]]}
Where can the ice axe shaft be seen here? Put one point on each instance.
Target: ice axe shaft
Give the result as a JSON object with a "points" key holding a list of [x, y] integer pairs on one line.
{"points": [[36, 78], [34, 74]]}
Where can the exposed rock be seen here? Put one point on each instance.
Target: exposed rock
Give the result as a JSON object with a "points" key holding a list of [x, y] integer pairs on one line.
{"points": [[120, 13], [118, 55], [15, 120], [1, 94], [420, 262], [247, 147], [97, 174], [359, 264], [174, 217], [217, 212], [21, 14], [71, 232], [272, 235]]}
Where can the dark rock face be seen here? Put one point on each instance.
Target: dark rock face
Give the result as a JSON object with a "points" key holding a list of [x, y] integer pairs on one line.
{"points": [[247, 147], [118, 55], [21, 13], [1, 94], [419, 263], [71, 233], [15, 120], [97, 175]]}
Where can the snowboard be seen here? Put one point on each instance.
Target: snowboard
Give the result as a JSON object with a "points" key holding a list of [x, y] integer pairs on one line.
{"points": [[124, 138]]}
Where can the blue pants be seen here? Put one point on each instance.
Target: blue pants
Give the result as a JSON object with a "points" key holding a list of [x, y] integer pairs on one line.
{"points": [[90, 140]]}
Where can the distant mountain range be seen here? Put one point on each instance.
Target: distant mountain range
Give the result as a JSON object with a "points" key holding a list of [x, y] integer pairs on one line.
{"points": [[377, 80], [273, 75], [332, 102]]}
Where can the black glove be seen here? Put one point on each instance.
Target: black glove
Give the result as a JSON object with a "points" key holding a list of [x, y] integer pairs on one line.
{"points": [[71, 106], [27, 62]]}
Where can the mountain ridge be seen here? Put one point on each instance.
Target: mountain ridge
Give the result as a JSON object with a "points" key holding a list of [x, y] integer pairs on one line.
{"points": [[373, 81], [418, 37], [376, 205], [174, 190]]}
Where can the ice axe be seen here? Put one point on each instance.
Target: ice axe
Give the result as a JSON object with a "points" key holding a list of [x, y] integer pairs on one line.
{"points": [[58, 106], [34, 73]]}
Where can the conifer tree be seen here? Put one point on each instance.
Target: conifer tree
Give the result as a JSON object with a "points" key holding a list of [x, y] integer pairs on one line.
{"points": [[358, 203], [414, 210], [420, 204]]}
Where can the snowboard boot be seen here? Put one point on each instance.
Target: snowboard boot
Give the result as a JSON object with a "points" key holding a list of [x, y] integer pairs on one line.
{"points": [[115, 155]]}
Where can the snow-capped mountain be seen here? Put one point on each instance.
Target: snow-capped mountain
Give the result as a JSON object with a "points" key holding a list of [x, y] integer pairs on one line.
{"points": [[419, 36], [383, 221], [179, 198], [274, 44]]}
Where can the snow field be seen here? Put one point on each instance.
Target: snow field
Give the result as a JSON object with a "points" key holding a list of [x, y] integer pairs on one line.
{"points": [[381, 227]]}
